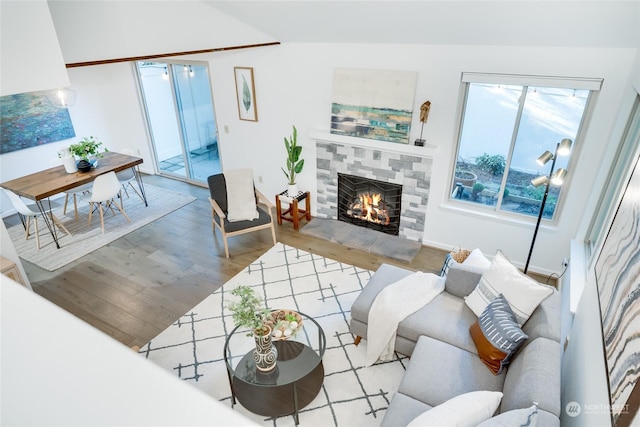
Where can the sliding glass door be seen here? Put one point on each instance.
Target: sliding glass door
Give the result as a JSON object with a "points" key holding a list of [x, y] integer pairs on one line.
{"points": [[182, 125]]}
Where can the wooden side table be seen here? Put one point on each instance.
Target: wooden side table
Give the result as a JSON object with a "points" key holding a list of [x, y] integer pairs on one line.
{"points": [[10, 269], [293, 214]]}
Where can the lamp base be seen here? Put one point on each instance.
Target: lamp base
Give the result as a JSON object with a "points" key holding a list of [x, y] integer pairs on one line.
{"points": [[419, 142]]}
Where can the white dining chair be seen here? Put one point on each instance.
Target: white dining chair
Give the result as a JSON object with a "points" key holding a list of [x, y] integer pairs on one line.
{"points": [[32, 211], [72, 192], [127, 177], [105, 189]]}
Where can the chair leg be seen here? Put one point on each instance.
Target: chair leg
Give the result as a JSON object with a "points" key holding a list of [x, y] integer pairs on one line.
{"points": [[122, 211], [35, 222], [357, 340], [27, 228], [66, 200], [226, 246], [101, 217], [59, 223], [90, 212], [75, 205], [136, 191]]}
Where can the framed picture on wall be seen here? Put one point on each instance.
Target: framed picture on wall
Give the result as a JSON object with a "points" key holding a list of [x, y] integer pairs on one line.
{"points": [[618, 278], [246, 94]]}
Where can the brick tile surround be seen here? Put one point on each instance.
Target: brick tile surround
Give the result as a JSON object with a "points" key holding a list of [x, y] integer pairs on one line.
{"points": [[412, 171]]}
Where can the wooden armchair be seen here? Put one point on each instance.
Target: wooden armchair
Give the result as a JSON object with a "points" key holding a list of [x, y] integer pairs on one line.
{"points": [[218, 200]]}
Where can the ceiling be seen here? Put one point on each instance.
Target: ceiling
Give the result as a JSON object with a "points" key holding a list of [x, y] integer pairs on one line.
{"points": [[573, 23]]}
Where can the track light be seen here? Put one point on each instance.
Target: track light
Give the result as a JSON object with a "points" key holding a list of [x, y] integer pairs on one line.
{"points": [[541, 180], [565, 147], [544, 158], [558, 177]]}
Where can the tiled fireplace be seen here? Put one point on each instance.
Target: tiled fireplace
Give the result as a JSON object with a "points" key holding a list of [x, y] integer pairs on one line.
{"points": [[410, 171]]}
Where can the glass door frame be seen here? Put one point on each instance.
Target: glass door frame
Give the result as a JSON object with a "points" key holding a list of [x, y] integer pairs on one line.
{"points": [[187, 177]]}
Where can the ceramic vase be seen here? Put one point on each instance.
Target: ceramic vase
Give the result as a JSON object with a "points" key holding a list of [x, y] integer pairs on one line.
{"points": [[292, 190], [265, 354], [69, 163]]}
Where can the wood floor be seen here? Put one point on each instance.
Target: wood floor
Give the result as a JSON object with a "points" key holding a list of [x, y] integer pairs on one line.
{"points": [[135, 287]]}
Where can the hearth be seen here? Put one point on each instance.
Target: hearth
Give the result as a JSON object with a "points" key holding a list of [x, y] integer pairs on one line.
{"points": [[369, 203]]}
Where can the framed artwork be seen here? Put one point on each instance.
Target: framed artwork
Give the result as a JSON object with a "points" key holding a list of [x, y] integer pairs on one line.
{"points": [[373, 104], [246, 93], [29, 120], [618, 278]]}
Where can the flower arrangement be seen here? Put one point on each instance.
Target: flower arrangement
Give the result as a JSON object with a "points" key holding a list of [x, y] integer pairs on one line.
{"points": [[88, 146], [249, 312]]}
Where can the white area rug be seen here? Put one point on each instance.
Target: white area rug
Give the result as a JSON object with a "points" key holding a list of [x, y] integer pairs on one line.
{"points": [[192, 348], [85, 239]]}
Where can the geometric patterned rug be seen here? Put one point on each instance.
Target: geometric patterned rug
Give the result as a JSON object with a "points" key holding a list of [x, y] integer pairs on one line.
{"points": [[351, 395]]}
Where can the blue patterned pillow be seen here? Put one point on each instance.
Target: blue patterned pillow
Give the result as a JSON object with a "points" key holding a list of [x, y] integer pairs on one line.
{"points": [[497, 335]]}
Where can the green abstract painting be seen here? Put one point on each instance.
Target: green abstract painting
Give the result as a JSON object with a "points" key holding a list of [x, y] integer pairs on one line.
{"points": [[29, 120]]}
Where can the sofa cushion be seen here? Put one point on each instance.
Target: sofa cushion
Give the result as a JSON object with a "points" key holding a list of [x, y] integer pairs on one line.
{"points": [[402, 410], [474, 260], [534, 376], [497, 335], [433, 361], [462, 280], [385, 275], [545, 320], [465, 410], [446, 318], [516, 418], [523, 293]]}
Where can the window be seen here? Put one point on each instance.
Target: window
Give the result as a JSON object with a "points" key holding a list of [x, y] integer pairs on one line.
{"points": [[507, 123]]}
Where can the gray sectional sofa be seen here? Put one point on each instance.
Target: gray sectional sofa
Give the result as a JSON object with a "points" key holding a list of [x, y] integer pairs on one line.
{"points": [[444, 360]]}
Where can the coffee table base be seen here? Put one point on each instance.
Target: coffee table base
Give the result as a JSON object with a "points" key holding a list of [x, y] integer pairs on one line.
{"points": [[278, 401]]}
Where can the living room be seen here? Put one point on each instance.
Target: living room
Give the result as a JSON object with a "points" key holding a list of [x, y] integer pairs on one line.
{"points": [[293, 80]]}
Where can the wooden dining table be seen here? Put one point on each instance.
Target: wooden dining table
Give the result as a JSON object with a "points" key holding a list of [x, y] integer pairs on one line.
{"points": [[40, 186]]}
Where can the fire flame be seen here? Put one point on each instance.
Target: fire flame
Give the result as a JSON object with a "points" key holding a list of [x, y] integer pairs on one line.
{"points": [[371, 209]]}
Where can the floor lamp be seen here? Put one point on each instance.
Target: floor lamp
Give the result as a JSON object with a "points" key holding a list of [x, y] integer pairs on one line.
{"points": [[563, 148]]}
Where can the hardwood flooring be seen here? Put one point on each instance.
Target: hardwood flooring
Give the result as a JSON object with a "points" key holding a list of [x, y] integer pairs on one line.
{"points": [[135, 287]]}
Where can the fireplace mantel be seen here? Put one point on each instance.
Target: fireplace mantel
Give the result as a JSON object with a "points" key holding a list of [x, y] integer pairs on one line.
{"points": [[427, 151]]}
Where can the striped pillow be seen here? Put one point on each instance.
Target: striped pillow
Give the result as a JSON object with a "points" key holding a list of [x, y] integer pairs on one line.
{"points": [[497, 335]]}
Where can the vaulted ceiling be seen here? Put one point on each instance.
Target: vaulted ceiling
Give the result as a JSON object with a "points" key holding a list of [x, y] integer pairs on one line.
{"points": [[517, 22]]}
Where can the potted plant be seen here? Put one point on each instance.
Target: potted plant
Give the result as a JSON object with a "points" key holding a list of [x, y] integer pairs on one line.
{"points": [[477, 188], [88, 147], [249, 312], [294, 162]]}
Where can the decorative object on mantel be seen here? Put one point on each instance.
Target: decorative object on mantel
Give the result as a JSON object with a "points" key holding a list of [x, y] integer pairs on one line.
{"points": [[29, 120], [246, 93], [250, 313], [373, 104], [424, 115], [87, 150], [294, 162]]}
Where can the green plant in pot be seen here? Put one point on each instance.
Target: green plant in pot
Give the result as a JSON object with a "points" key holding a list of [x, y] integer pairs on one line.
{"points": [[477, 188], [249, 312], [294, 162], [84, 150]]}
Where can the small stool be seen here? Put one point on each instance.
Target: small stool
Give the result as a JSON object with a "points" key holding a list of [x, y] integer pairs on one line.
{"points": [[293, 214]]}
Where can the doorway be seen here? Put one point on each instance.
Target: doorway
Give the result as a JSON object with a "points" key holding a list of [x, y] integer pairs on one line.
{"points": [[179, 106]]}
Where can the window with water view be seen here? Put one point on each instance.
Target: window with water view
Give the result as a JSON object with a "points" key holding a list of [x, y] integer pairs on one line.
{"points": [[504, 129]]}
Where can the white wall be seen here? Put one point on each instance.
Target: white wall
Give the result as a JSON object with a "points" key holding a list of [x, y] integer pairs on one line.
{"points": [[300, 93], [59, 370]]}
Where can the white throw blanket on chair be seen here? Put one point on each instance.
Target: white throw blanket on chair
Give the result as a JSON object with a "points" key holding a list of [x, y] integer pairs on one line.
{"points": [[392, 305], [241, 195]]}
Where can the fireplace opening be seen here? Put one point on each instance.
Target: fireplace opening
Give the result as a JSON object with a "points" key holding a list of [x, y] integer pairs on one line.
{"points": [[369, 203]]}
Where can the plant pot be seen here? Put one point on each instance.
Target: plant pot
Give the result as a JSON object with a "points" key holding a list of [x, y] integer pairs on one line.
{"points": [[265, 354], [70, 164], [84, 166], [292, 190], [465, 178]]}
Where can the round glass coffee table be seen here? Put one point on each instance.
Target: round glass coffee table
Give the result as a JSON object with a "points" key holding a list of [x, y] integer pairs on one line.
{"points": [[294, 382]]}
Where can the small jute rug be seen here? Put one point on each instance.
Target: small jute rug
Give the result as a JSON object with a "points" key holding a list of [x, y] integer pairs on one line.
{"points": [[286, 277], [84, 238], [364, 239]]}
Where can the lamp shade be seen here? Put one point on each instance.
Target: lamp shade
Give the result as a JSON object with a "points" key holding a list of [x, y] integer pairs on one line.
{"points": [[544, 158], [565, 147], [537, 182], [558, 177]]}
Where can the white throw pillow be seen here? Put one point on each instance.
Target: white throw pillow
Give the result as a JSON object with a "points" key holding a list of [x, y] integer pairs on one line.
{"points": [[469, 409], [522, 292], [477, 259]]}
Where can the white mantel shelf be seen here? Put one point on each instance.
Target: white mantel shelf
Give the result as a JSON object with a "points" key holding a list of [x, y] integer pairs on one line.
{"points": [[427, 151]]}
